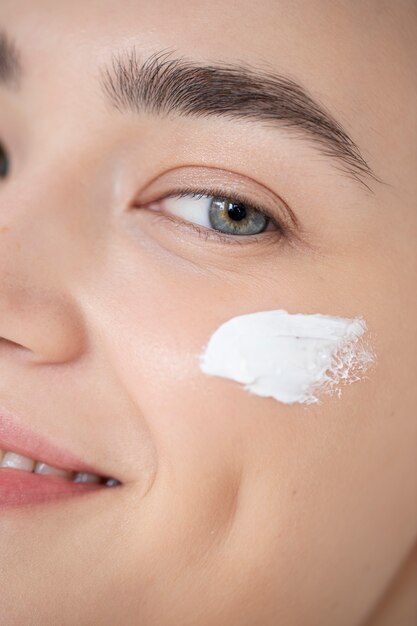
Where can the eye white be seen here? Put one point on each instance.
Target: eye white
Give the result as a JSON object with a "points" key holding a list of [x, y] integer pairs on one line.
{"points": [[189, 208]]}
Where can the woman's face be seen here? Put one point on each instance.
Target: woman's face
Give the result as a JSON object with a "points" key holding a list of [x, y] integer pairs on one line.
{"points": [[233, 509]]}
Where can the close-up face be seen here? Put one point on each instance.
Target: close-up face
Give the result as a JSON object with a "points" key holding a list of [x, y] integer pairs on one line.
{"points": [[208, 341]]}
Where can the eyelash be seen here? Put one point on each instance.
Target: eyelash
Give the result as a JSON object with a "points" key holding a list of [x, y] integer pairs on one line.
{"points": [[213, 234]]}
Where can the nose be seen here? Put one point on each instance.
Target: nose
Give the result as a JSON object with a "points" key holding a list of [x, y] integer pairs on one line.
{"points": [[38, 315]]}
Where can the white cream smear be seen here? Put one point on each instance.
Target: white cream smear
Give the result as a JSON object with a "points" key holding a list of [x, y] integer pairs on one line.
{"points": [[289, 357]]}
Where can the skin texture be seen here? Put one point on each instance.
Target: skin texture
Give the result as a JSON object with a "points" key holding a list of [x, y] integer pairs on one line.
{"points": [[234, 509]]}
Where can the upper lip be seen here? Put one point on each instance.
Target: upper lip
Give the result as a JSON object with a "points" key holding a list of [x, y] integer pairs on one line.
{"points": [[16, 437]]}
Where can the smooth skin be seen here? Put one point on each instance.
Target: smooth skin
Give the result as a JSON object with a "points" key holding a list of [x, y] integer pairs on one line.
{"points": [[234, 509]]}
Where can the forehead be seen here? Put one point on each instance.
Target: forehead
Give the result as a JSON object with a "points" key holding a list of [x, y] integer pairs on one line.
{"points": [[300, 37], [331, 45], [286, 31]]}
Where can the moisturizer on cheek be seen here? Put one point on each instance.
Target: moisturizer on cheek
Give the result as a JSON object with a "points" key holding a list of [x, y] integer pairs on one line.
{"points": [[289, 357]]}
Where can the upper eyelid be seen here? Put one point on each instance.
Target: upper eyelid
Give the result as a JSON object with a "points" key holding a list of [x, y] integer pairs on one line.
{"points": [[289, 229], [218, 181]]}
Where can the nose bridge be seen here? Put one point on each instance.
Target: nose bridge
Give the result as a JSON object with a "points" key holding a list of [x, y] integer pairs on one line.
{"points": [[37, 309]]}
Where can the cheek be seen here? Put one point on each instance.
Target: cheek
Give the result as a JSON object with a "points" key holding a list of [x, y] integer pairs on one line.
{"points": [[309, 471], [152, 332]]}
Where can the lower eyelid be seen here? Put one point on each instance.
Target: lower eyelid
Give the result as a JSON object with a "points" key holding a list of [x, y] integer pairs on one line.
{"points": [[266, 238], [164, 217]]}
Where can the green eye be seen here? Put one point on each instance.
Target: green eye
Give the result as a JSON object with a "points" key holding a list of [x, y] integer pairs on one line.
{"points": [[235, 218], [4, 163]]}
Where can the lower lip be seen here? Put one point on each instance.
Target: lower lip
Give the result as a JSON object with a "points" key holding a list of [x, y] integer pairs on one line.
{"points": [[19, 488]]}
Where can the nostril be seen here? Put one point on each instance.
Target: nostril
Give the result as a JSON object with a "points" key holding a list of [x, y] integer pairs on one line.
{"points": [[38, 313], [14, 344]]}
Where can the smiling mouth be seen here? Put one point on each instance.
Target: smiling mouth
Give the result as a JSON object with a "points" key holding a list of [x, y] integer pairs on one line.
{"points": [[12, 460], [35, 470], [25, 481]]}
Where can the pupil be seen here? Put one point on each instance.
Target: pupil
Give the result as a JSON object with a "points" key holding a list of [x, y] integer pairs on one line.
{"points": [[236, 212]]}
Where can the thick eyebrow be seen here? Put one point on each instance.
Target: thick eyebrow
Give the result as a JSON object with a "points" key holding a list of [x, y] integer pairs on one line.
{"points": [[163, 84], [10, 65]]}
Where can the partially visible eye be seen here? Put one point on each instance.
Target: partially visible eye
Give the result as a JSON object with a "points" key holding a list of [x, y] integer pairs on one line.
{"points": [[4, 162], [222, 214]]}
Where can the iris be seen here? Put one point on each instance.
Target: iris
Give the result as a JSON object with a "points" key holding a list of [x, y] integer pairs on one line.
{"points": [[235, 218]]}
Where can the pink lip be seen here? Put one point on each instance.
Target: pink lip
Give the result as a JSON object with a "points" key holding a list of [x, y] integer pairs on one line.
{"points": [[18, 488], [15, 437]]}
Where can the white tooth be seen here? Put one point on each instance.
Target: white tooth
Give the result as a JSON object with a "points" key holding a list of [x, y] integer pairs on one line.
{"points": [[112, 482], [45, 469], [84, 477], [17, 461]]}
